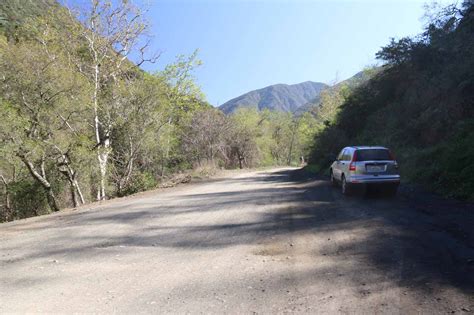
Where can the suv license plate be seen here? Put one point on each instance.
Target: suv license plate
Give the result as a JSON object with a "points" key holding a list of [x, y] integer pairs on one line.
{"points": [[375, 168]]}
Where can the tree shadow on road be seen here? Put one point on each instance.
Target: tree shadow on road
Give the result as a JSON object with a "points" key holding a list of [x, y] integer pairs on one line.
{"points": [[401, 245]]}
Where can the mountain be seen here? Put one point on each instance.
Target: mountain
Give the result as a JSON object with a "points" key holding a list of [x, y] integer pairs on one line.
{"points": [[279, 97]]}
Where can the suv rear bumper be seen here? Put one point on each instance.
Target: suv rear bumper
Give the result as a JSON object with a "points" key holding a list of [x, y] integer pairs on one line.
{"points": [[374, 179]]}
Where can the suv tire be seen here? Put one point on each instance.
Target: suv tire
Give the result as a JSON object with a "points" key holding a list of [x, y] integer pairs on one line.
{"points": [[345, 188]]}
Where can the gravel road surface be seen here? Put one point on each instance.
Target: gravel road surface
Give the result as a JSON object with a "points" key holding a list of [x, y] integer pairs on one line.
{"points": [[264, 242]]}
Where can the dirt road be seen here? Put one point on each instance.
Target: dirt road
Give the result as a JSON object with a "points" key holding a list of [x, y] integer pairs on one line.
{"points": [[260, 242]]}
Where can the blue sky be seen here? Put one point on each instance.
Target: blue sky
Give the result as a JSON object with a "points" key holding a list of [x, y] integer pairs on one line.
{"points": [[247, 45]]}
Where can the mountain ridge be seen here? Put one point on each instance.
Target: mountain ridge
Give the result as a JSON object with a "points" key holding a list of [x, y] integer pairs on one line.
{"points": [[279, 97]]}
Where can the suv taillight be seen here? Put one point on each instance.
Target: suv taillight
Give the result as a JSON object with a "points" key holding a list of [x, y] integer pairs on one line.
{"points": [[352, 166], [392, 156]]}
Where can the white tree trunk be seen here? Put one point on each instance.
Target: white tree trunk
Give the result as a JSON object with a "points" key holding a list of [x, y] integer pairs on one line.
{"points": [[103, 156], [71, 175], [79, 192], [103, 142], [41, 178], [8, 209]]}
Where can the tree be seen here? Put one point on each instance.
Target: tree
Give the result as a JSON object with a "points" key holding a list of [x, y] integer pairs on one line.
{"points": [[204, 137], [397, 52], [41, 99], [183, 93], [303, 130], [280, 133], [183, 96], [242, 139], [111, 32], [137, 127], [8, 173]]}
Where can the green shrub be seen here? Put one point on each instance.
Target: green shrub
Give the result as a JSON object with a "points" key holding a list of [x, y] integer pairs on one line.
{"points": [[28, 199], [140, 182]]}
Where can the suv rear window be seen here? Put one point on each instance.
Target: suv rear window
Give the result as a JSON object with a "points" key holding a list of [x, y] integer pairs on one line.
{"points": [[373, 155]]}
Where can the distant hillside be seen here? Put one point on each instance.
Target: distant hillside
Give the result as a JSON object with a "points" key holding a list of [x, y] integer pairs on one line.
{"points": [[13, 12], [278, 97], [313, 105]]}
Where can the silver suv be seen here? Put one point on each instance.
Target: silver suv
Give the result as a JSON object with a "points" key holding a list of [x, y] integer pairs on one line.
{"points": [[359, 166]]}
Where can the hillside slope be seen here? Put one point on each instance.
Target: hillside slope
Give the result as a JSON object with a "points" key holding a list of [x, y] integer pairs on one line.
{"points": [[278, 97], [421, 105], [352, 82], [13, 12]]}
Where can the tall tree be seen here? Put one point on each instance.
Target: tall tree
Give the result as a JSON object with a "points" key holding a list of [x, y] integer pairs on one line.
{"points": [[111, 34], [137, 127], [183, 95], [245, 129], [41, 96]]}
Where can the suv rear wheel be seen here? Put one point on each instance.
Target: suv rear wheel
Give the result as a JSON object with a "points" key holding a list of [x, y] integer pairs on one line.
{"points": [[344, 186]]}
